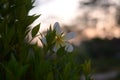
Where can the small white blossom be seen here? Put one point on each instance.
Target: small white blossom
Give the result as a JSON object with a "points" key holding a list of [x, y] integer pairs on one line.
{"points": [[62, 39]]}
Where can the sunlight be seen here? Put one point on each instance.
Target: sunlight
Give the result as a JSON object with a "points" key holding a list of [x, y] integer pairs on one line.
{"points": [[84, 15], [62, 11]]}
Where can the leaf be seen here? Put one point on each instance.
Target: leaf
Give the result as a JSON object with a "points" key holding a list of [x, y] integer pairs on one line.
{"points": [[9, 73], [35, 30], [31, 19], [23, 70], [61, 51], [86, 67], [50, 76], [50, 36], [67, 71]]}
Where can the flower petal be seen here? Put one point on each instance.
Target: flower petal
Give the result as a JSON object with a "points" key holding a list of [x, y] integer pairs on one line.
{"points": [[69, 35], [56, 47], [57, 28], [44, 40], [69, 47]]}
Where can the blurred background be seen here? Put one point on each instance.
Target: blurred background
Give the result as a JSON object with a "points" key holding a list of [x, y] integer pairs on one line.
{"points": [[97, 24]]}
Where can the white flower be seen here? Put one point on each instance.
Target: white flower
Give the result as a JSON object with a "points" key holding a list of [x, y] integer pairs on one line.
{"points": [[62, 39]]}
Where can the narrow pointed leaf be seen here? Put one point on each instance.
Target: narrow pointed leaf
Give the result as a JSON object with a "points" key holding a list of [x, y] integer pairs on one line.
{"points": [[35, 30]]}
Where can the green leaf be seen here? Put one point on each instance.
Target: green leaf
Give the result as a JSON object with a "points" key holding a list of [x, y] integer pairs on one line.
{"points": [[86, 67], [9, 74], [61, 51], [67, 71], [23, 70], [35, 30], [31, 19], [50, 36], [50, 76]]}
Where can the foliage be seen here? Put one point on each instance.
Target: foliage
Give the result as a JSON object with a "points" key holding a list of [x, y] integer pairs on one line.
{"points": [[21, 61]]}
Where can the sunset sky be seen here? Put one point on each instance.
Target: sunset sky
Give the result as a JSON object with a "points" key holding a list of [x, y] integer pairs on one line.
{"points": [[93, 17]]}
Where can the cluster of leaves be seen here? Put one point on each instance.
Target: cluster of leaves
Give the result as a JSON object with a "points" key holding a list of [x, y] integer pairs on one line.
{"points": [[22, 61], [14, 20]]}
